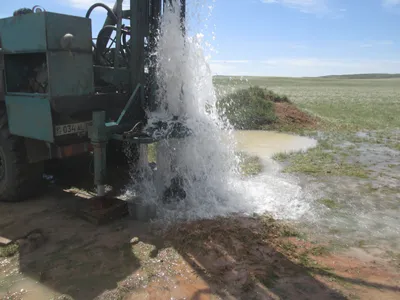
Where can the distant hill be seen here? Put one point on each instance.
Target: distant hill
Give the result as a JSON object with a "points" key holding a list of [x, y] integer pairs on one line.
{"points": [[344, 76], [363, 76]]}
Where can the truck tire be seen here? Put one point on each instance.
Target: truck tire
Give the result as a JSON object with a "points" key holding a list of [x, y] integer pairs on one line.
{"points": [[19, 180]]}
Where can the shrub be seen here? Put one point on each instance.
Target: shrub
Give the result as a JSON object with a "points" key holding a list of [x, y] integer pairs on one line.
{"points": [[274, 97], [250, 108]]}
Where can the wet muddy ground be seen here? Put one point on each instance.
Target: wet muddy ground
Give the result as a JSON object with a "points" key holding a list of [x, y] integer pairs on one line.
{"points": [[356, 256], [359, 210], [355, 183], [227, 258]]}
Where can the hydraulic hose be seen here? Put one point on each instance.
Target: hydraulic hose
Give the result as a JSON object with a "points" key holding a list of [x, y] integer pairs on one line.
{"points": [[110, 14], [108, 9], [104, 33]]}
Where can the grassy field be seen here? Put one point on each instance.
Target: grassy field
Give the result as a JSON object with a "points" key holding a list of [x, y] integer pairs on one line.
{"points": [[355, 164], [351, 112], [345, 104]]}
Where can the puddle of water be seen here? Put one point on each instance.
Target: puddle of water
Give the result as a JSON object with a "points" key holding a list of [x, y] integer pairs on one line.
{"points": [[265, 144], [26, 288], [371, 218], [271, 191]]}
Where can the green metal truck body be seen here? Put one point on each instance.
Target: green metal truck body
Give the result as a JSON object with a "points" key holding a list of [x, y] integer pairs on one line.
{"points": [[63, 94]]}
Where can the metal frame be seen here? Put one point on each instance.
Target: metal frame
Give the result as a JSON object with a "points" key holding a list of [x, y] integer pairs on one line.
{"points": [[144, 21]]}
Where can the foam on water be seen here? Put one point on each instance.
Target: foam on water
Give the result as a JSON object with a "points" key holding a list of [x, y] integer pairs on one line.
{"points": [[205, 161]]}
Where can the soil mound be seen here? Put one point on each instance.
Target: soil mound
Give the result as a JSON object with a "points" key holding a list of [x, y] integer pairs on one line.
{"points": [[289, 114], [257, 108]]}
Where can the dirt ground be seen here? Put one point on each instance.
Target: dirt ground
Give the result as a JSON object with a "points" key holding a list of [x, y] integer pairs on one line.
{"points": [[289, 115], [229, 258]]}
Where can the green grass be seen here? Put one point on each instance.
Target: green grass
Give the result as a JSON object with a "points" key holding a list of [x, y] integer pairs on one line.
{"points": [[364, 76], [152, 152], [9, 250], [289, 248], [328, 203], [395, 146], [324, 159], [344, 104], [386, 190], [249, 165], [250, 108], [288, 231], [319, 251], [282, 156]]}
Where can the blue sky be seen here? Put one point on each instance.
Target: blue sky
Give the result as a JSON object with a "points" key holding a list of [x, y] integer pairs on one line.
{"points": [[284, 37]]}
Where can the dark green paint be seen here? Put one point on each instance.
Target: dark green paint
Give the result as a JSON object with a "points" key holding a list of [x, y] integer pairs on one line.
{"points": [[57, 25], [30, 116], [70, 73], [23, 34], [40, 32]]}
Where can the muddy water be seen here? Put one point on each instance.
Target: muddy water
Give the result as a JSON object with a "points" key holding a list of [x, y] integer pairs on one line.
{"points": [[271, 191], [265, 144], [25, 288]]}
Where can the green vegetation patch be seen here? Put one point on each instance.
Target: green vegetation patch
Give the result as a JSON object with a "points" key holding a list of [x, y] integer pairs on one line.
{"points": [[282, 156], [394, 146], [317, 161], [325, 159], [250, 165], [152, 152], [9, 250], [250, 108], [341, 104], [328, 203]]}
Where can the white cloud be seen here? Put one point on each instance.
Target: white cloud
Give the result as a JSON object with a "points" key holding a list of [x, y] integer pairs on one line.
{"points": [[231, 61], [302, 67], [307, 62], [297, 46], [85, 4], [371, 44], [391, 2], [306, 6], [386, 42], [224, 69]]}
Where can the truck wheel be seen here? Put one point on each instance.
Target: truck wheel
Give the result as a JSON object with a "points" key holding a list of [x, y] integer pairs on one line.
{"points": [[19, 179]]}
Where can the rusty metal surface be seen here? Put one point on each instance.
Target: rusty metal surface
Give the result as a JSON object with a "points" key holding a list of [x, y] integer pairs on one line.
{"points": [[70, 150], [102, 210]]}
